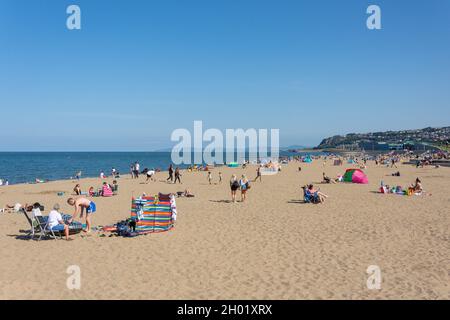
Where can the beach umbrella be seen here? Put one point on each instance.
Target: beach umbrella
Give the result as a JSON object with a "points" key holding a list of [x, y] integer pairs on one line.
{"points": [[355, 176]]}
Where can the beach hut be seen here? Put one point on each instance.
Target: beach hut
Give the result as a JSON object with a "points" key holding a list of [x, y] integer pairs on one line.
{"points": [[355, 176], [152, 215]]}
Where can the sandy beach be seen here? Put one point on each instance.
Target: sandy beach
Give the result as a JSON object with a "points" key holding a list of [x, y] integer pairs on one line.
{"points": [[273, 246]]}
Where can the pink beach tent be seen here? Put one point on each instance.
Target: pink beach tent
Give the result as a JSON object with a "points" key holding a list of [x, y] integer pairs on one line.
{"points": [[355, 176]]}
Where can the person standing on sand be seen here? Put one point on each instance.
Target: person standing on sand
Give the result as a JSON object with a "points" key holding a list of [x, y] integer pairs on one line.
{"points": [[170, 173], [137, 168], [234, 185], [81, 204], [258, 174], [177, 175], [132, 171], [209, 177], [244, 184], [220, 177]]}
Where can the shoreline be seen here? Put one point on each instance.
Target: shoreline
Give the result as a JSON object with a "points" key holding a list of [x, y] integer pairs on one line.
{"points": [[272, 246]]}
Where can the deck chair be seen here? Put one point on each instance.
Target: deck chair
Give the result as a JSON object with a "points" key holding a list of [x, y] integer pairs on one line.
{"points": [[44, 229], [33, 225], [308, 197]]}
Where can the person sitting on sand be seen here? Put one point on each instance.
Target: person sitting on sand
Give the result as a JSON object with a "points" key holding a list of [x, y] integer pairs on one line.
{"points": [[115, 187], [77, 190], [327, 179], [82, 204], [56, 222], [321, 196], [417, 186], [234, 185]]}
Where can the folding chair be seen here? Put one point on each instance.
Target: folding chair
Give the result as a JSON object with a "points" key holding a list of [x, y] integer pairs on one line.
{"points": [[44, 228]]}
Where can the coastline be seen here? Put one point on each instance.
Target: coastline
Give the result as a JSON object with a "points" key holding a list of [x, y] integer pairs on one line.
{"points": [[272, 246]]}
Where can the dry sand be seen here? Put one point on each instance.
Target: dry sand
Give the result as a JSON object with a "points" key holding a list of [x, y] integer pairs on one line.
{"points": [[271, 247]]}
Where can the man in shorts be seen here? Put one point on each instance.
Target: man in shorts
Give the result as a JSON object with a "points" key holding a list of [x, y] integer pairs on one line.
{"points": [[83, 204]]}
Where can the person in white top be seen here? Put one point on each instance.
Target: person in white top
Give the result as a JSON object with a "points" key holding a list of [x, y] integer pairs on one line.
{"points": [[56, 222], [36, 211]]}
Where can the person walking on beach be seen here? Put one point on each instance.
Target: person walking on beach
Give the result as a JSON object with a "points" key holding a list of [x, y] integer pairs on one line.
{"points": [[244, 184], [82, 204], [170, 173], [258, 174], [137, 167], [132, 171], [209, 177], [78, 175], [393, 164], [234, 185], [177, 175], [220, 177]]}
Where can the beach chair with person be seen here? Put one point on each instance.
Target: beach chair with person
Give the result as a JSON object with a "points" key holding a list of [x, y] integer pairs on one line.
{"points": [[308, 197]]}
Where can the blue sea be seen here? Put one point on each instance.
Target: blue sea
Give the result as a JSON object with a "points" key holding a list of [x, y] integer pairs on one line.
{"points": [[24, 167]]}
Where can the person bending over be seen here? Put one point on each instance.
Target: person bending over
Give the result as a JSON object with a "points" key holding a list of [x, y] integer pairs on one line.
{"points": [[82, 204]]}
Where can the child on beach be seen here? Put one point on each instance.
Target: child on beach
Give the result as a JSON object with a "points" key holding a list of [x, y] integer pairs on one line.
{"points": [[82, 204], [209, 177], [220, 177]]}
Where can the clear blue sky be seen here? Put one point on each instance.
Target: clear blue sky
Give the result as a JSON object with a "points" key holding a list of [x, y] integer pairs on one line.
{"points": [[139, 69]]}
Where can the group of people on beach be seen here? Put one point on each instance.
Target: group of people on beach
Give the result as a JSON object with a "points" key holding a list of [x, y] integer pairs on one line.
{"points": [[243, 184], [172, 173]]}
